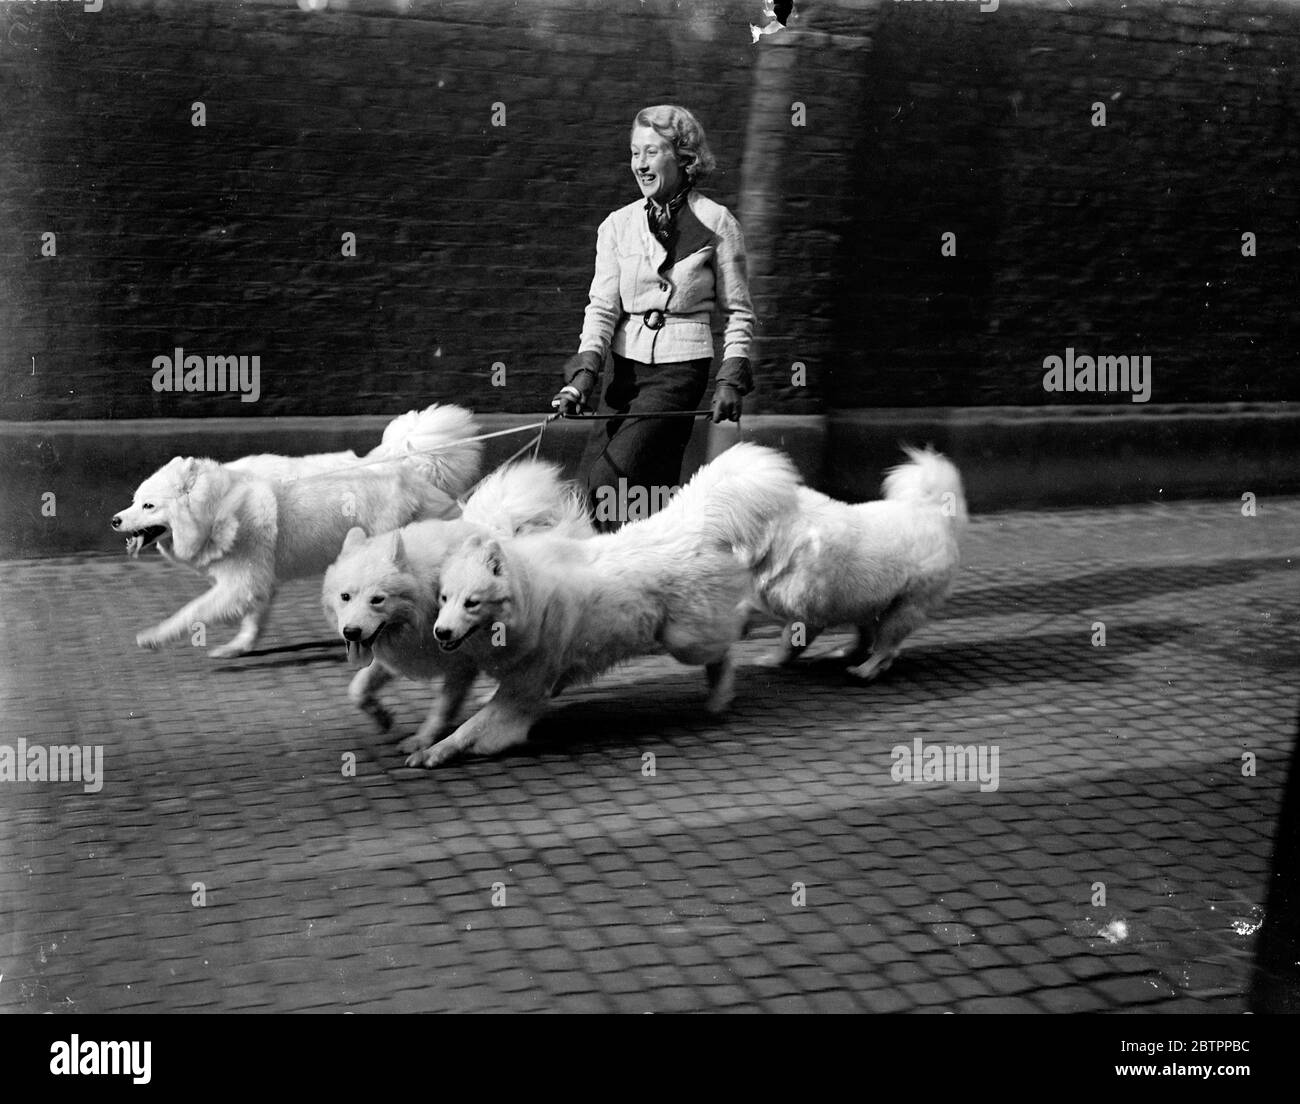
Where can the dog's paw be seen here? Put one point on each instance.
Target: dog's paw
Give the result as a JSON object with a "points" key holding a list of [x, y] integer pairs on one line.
{"points": [[413, 744], [780, 658], [228, 651], [433, 756], [872, 669], [148, 640]]}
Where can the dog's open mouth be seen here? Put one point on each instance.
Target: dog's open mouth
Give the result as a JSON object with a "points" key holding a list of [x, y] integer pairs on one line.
{"points": [[141, 539], [452, 645], [359, 650]]}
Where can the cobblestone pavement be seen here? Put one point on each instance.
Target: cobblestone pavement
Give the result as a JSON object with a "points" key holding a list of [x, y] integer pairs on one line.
{"points": [[1119, 764]]}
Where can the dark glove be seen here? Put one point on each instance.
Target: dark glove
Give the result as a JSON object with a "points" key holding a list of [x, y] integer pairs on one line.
{"points": [[569, 402], [735, 371], [575, 396], [726, 403]]}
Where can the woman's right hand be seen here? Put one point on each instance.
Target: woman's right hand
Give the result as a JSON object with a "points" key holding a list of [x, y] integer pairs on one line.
{"points": [[575, 396], [568, 403]]}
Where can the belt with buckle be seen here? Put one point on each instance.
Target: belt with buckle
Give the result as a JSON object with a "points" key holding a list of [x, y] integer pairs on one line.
{"points": [[653, 319]]}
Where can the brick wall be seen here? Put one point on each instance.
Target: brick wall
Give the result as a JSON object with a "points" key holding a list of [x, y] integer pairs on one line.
{"points": [[1113, 240], [475, 242]]}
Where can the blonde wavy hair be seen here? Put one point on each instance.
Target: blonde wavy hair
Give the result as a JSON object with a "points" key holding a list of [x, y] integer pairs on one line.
{"points": [[681, 128]]}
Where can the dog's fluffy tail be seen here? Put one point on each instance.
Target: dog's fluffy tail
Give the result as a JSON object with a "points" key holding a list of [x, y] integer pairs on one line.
{"points": [[734, 499], [434, 442], [928, 479], [527, 497]]}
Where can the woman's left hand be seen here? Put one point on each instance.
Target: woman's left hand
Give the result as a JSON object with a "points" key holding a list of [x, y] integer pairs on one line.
{"points": [[726, 403]]}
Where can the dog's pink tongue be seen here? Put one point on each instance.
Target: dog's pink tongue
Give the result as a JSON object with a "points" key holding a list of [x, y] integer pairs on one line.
{"points": [[133, 546], [356, 653]]}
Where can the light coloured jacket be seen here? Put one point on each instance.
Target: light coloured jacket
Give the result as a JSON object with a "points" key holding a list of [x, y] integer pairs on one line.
{"points": [[709, 274]]}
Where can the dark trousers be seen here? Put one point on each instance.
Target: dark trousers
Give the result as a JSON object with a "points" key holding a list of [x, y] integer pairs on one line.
{"points": [[644, 452]]}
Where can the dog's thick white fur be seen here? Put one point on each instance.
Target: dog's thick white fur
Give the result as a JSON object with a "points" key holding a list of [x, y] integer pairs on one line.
{"points": [[382, 592], [884, 567], [541, 612], [259, 521]]}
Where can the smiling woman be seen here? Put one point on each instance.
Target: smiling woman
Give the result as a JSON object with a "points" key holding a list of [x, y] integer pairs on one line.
{"points": [[664, 265]]}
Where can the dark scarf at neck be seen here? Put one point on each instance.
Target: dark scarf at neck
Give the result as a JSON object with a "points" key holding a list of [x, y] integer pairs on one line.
{"points": [[661, 219]]}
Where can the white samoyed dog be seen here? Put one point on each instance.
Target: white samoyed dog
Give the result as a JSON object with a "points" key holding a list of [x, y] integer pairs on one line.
{"points": [[382, 592], [256, 522], [884, 567], [543, 611]]}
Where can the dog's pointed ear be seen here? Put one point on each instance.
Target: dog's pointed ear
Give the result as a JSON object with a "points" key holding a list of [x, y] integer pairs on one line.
{"points": [[191, 523], [188, 472], [399, 550], [356, 536], [206, 519], [493, 558]]}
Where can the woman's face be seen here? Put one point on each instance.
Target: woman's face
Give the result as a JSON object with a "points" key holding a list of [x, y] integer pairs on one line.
{"points": [[654, 164]]}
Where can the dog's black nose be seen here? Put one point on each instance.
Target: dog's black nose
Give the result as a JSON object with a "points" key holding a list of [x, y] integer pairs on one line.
{"points": [[442, 634], [351, 633], [117, 522]]}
